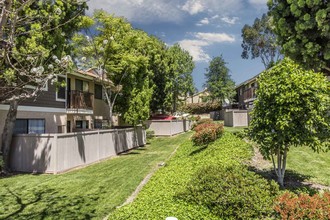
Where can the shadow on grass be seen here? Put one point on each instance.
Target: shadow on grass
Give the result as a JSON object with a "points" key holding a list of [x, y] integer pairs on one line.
{"points": [[200, 149], [293, 181], [40, 203]]}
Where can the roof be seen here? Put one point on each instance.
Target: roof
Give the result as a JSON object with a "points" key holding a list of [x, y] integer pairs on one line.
{"points": [[91, 74], [248, 81], [198, 93]]}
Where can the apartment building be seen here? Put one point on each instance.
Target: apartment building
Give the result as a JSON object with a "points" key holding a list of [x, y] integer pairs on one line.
{"points": [[76, 107]]}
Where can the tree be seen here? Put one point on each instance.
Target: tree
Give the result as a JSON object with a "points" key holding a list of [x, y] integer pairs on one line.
{"points": [[218, 81], [292, 109], [33, 50], [179, 81], [121, 55], [302, 29], [260, 41]]}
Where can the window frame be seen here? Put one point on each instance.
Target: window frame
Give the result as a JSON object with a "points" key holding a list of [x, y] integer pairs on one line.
{"points": [[27, 129], [60, 99]]}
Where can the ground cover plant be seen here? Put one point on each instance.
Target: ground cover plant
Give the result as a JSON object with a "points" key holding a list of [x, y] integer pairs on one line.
{"points": [[167, 192], [91, 192]]}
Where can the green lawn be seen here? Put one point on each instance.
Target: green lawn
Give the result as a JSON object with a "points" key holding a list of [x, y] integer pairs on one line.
{"points": [[315, 166], [91, 192]]}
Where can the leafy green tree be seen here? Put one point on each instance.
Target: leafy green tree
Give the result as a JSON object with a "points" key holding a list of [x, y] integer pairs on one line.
{"points": [[159, 67], [33, 50], [292, 109], [218, 81], [260, 41], [121, 55], [302, 28], [179, 81]]}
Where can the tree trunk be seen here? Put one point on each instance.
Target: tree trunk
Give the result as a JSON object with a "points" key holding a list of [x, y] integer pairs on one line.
{"points": [[8, 133], [281, 165]]}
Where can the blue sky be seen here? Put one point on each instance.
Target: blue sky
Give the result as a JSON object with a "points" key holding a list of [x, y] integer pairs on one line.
{"points": [[205, 28]]}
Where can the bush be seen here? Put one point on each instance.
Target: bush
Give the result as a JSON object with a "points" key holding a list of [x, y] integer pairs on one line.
{"points": [[200, 108], [202, 121], [291, 206], [206, 133], [150, 134], [231, 192], [195, 118]]}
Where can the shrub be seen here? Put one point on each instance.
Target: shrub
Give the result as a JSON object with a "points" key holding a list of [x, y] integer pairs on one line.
{"points": [[200, 108], [291, 206], [206, 133], [202, 121], [195, 118], [231, 192], [150, 134]]}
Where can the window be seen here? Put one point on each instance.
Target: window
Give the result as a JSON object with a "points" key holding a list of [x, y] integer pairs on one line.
{"points": [[79, 85], [82, 124], [98, 91], [60, 95], [98, 123], [82, 85], [29, 126]]}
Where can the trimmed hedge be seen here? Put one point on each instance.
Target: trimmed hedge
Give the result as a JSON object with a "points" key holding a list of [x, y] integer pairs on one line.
{"points": [[232, 192], [200, 108], [291, 206], [160, 198]]}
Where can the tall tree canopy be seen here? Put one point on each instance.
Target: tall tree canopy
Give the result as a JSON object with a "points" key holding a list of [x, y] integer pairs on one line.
{"points": [[179, 81], [33, 48], [218, 81], [121, 54], [302, 28], [260, 41], [292, 109]]}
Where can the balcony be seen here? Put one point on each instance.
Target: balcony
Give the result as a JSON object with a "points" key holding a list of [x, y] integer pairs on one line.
{"points": [[80, 102], [250, 94]]}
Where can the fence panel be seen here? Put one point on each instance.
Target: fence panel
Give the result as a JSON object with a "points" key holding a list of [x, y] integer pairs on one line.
{"points": [[52, 153]]}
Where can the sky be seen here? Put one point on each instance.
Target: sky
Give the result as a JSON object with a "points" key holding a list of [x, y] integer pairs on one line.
{"points": [[205, 28]]}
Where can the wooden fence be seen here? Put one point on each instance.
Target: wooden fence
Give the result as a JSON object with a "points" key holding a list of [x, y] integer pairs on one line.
{"points": [[169, 127], [56, 153]]}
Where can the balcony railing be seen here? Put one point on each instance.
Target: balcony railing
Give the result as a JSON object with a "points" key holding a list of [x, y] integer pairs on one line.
{"points": [[250, 93], [80, 100]]}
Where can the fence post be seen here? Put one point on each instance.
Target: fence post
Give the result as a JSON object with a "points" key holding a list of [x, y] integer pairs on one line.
{"points": [[55, 153], [98, 145]]}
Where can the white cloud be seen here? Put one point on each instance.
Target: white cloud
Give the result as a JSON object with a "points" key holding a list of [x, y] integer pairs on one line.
{"points": [[175, 11], [193, 7], [215, 37], [195, 49], [141, 11], [230, 20], [259, 4], [202, 22]]}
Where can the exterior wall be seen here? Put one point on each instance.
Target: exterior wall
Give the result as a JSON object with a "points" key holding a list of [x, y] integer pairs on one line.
{"points": [[45, 99], [101, 109], [197, 98], [55, 153], [236, 118], [169, 127], [53, 117]]}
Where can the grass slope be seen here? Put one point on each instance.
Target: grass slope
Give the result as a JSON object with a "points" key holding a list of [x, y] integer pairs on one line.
{"points": [[91, 192], [314, 166], [158, 199]]}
